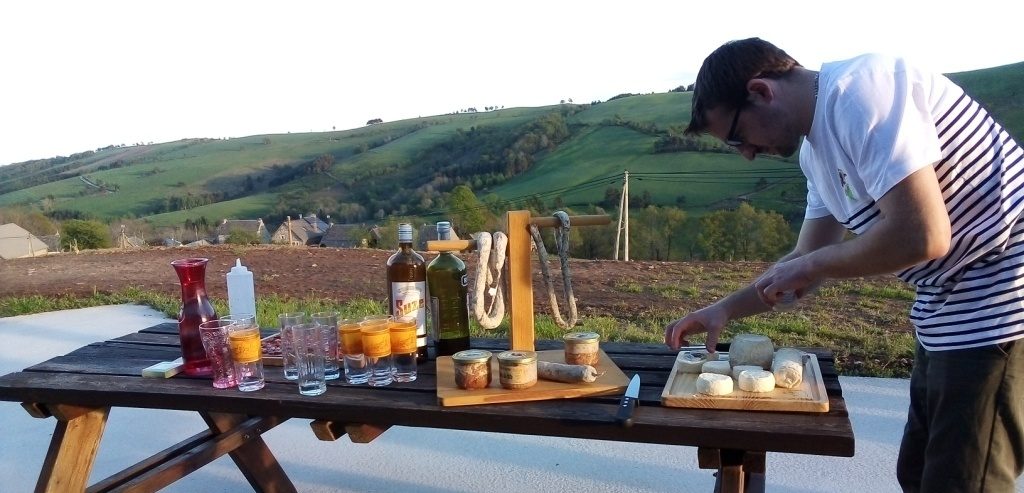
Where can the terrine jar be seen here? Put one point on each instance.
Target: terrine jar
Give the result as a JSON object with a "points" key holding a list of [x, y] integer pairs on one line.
{"points": [[517, 369], [472, 369], [581, 348]]}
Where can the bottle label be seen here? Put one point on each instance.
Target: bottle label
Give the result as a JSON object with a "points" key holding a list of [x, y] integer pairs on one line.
{"points": [[409, 302]]}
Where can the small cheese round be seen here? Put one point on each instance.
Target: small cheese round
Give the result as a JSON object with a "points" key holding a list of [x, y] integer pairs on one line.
{"points": [[751, 349], [714, 384], [719, 367], [757, 381], [691, 361], [736, 370]]}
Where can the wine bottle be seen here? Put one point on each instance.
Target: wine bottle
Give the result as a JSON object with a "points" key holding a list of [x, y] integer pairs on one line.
{"points": [[449, 313], [407, 276]]}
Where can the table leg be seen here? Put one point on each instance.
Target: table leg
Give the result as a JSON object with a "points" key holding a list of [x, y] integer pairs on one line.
{"points": [[254, 459], [739, 471], [73, 447]]}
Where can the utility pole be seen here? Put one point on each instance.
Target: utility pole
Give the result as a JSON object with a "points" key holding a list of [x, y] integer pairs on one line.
{"points": [[623, 217]]}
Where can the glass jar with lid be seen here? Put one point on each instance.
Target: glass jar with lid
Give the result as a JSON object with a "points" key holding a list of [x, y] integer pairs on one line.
{"points": [[517, 369], [582, 348], [472, 368]]}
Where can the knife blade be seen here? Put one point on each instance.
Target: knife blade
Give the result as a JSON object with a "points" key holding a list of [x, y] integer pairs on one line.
{"points": [[625, 413]]}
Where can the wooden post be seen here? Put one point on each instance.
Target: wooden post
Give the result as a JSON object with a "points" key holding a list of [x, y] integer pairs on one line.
{"points": [[520, 295]]}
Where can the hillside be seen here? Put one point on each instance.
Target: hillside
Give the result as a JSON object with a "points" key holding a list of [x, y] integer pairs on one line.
{"points": [[569, 154]]}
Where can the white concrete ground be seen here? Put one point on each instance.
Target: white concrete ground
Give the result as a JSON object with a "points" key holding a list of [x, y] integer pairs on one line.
{"points": [[422, 459]]}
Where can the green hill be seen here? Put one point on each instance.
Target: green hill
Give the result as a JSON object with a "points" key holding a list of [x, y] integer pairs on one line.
{"points": [[570, 153]]}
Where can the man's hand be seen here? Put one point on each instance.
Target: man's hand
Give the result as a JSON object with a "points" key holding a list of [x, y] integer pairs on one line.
{"points": [[711, 319]]}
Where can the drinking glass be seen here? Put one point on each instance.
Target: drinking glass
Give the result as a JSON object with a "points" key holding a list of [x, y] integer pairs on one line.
{"points": [[214, 334], [403, 348], [244, 339], [286, 322], [377, 349], [328, 323], [356, 370], [308, 342]]}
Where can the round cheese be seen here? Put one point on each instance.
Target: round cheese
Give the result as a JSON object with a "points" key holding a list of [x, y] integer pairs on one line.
{"points": [[757, 381], [691, 361], [719, 367], [714, 384], [751, 349], [736, 370]]}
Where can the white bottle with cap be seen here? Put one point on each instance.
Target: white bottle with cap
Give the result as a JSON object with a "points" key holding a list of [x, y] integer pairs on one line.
{"points": [[241, 291]]}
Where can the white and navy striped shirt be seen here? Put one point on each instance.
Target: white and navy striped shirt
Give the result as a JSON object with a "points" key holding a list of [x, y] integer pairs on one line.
{"points": [[878, 120]]}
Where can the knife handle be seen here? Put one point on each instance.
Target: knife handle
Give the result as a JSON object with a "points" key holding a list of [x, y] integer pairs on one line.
{"points": [[625, 413]]}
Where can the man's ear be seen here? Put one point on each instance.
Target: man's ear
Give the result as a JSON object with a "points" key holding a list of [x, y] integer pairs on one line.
{"points": [[760, 90]]}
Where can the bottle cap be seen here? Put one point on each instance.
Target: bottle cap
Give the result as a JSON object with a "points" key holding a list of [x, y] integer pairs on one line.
{"points": [[238, 268], [444, 230], [405, 233]]}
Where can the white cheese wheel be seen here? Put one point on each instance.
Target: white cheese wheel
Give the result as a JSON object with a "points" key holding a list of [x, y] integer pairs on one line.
{"points": [[714, 384], [788, 367], [736, 370], [691, 361], [751, 349], [757, 381], [719, 367]]}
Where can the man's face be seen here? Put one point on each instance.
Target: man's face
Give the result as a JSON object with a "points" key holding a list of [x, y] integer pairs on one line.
{"points": [[754, 129]]}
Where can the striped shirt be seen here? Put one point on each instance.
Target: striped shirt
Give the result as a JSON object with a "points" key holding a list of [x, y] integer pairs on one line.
{"points": [[877, 121]]}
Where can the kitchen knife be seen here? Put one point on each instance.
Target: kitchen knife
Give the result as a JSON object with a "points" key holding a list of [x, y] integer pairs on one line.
{"points": [[625, 414]]}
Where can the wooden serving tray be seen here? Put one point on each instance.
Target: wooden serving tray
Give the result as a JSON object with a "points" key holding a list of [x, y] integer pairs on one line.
{"points": [[681, 391], [610, 381]]}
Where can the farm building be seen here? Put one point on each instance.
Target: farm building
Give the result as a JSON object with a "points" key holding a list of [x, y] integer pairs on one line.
{"points": [[302, 231], [246, 226]]}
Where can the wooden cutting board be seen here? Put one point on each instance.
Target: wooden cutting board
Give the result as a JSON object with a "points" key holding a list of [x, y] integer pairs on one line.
{"points": [[681, 391], [610, 381]]}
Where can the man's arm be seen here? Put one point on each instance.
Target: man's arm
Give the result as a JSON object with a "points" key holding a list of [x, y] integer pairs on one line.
{"points": [[913, 228]]}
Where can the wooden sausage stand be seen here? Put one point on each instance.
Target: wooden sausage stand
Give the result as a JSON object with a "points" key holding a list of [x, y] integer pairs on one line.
{"points": [[520, 287]]}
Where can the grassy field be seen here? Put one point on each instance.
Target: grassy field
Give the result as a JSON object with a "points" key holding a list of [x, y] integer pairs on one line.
{"points": [[603, 143]]}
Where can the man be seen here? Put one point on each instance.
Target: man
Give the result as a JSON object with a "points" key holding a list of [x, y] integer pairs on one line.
{"points": [[933, 190]]}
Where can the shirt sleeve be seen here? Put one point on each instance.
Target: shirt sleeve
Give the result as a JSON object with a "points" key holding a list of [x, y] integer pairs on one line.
{"points": [[886, 126]]}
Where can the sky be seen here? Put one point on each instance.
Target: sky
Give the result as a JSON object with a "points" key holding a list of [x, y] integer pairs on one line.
{"points": [[76, 76]]}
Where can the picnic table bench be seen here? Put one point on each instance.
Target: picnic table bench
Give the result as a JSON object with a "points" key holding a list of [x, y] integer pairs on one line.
{"points": [[78, 389]]}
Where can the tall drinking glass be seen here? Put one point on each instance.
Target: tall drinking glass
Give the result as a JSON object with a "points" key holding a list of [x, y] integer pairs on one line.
{"points": [[308, 341], [377, 349], [328, 323], [356, 370], [403, 348], [214, 334], [244, 339], [286, 322]]}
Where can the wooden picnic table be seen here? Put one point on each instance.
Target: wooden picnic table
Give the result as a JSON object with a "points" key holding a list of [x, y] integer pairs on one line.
{"points": [[78, 389]]}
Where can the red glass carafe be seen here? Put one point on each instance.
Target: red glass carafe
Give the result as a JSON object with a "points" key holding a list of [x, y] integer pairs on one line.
{"points": [[195, 309]]}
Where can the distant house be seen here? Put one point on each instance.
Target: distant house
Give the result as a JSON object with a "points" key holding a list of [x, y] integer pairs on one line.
{"points": [[251, 226], [16, 242], [302, 231], [350, 236]]}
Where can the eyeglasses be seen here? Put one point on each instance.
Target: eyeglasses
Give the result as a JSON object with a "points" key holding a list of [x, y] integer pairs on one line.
{"points": [[731, 138]]}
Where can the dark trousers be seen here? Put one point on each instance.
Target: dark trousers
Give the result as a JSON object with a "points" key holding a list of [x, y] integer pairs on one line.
{"points": [[965, 427]]}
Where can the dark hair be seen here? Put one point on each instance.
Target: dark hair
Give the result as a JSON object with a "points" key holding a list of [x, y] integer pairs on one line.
{"points": [[723, 76]]}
